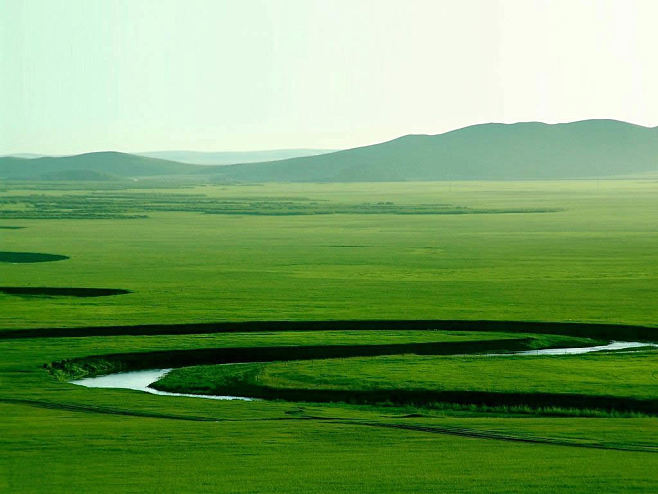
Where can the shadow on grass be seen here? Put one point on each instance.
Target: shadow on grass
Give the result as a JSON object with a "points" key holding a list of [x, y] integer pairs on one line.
{"points": [[28, 257], [123, 362], [429, 398], [46, 291], [596, 331]]}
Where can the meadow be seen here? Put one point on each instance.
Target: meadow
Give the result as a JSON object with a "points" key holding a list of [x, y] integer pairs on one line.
{"points": [[621, 381], [160, 273], [596, 260]]}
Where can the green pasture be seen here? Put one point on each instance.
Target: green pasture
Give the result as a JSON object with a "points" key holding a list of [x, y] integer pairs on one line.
{"points": [[26, 373], [595, 260], [614, 375], [61, 437], [64, 451], [572, 251]]}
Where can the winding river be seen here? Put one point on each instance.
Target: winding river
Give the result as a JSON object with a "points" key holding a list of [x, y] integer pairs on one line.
{"points": [[140, 380], [613, 345]]}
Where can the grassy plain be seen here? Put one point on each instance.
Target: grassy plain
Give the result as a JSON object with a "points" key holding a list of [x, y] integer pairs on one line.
{"points": [[61, 437], [595, 259], [607, 376], [63, 452]]}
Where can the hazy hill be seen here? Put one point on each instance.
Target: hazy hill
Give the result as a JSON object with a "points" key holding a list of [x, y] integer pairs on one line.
{"points": [[229, 157], [79, 175], [27, 156], [92, 164], [590, 148]]}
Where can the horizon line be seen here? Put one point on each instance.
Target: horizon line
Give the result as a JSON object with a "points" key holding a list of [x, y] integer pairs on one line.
{"points": [[329, 150]]}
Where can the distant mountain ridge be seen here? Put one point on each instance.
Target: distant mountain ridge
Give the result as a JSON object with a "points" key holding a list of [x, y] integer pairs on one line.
{"points": [[27, 156], [107, 163], [233, 157], [585, 149], [521, 151]]}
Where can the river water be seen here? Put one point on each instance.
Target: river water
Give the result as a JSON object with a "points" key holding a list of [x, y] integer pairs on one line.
{"points": [[613, 345], [139, 381]]}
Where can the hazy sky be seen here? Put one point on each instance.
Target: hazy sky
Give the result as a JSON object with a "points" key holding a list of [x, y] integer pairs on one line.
{"points": [[137, 75]]}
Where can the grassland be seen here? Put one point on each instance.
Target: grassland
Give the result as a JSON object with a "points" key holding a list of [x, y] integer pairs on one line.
{"points": [[622, 381], [596, 261], [590, 256], [133, 442], [92, 453], [123, 205]]}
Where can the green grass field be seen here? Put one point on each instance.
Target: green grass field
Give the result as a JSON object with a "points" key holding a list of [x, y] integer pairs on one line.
{"points": [[595, 261], [610, 377], [572, 251]]}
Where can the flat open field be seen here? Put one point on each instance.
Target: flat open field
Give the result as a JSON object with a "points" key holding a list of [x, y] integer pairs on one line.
{"points": [[561, 252], [614, 375], [597, 260]]}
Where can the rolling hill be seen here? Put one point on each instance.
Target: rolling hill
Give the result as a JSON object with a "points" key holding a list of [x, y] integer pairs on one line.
{"points": [[90, 165], [521, 151], [589, 148], [232, 157]]}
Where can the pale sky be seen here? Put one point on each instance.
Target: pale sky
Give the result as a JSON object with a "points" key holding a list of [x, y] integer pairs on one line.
{"points": [[141, 75]]}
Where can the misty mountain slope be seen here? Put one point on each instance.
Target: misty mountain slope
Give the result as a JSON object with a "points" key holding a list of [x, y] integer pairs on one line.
{"points": [[232, 157], [590, 148], [107, 163], [27, 156], [586, 149]]}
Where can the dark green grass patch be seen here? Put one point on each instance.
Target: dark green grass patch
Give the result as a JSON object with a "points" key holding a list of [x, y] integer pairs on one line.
{"points": [[48, 291], [571, 331], [103, 364], [123, 205], [28, 257]]}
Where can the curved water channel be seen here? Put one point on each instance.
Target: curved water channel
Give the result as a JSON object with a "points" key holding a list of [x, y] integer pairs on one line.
{"points": [[613, 345], [141, 380]]}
